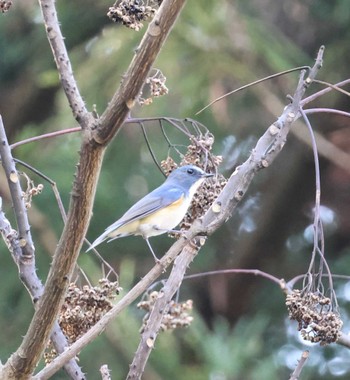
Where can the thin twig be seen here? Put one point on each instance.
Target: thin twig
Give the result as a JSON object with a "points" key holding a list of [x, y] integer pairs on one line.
{"points": [[154, 158], [45, 136], [326, 110], [255, 272], [333, 86], [253, 84], [320, 93], [318, 228], [296, 373]]}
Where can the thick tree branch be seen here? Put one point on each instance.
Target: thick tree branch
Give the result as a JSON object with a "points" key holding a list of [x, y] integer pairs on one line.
{"points": [[24, 360]]}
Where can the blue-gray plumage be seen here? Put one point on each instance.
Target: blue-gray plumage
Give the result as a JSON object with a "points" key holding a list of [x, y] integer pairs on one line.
{"points": [[159, 211]]}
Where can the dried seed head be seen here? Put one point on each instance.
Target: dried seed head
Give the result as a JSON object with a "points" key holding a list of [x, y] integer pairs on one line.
{"points": [[177, 315], [317, 322], [84, 307], [131, 12], [5, 6]]}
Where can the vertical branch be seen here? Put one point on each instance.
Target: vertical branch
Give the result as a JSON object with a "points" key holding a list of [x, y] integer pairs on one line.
{"points": [[64, 67], [25, 237]]}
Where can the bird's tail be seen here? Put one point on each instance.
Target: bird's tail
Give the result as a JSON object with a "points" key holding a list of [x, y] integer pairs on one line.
{"points": [[99, 240]]}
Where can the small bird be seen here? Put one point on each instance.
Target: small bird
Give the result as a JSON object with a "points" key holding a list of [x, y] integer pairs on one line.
{"points": [[159, 211]]}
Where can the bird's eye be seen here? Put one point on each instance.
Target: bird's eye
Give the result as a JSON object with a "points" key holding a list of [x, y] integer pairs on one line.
{"points": [[190, 171]]}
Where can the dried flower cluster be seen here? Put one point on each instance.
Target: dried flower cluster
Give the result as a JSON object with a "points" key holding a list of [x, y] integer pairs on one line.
{"points": [[317, 322], [157, 88], [177, 315], [131, 13], [82, 309], [5, 6], [199, 154], [30, 192]]}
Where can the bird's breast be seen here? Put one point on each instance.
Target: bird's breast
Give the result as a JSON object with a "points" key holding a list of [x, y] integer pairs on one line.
{"points": [[164, 219]]}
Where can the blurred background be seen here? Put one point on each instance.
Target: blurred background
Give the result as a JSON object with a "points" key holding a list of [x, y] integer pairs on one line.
{"points": [[241, 328]]}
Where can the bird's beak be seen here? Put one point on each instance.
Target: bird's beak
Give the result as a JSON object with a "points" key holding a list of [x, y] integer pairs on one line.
{"points": [[208, 175]]}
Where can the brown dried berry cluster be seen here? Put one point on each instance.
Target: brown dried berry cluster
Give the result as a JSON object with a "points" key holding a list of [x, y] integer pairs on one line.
{"points": [[197, 154], [131, 12], [157, 88], [198, 151], [83, 308], [30, 192], [177, 315], [317, 322], [168, 165], [5, 6]]}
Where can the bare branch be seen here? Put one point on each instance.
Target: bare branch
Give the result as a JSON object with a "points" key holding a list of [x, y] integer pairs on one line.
{"points": [[316, 95], [63, 63], [25, 237], [45, 136], [160, 308], [296, 373], [269, 145], [344, 340]]}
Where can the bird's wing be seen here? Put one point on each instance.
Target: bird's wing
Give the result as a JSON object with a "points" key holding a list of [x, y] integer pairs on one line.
{"points": [[155, 200], [152, 202]]}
